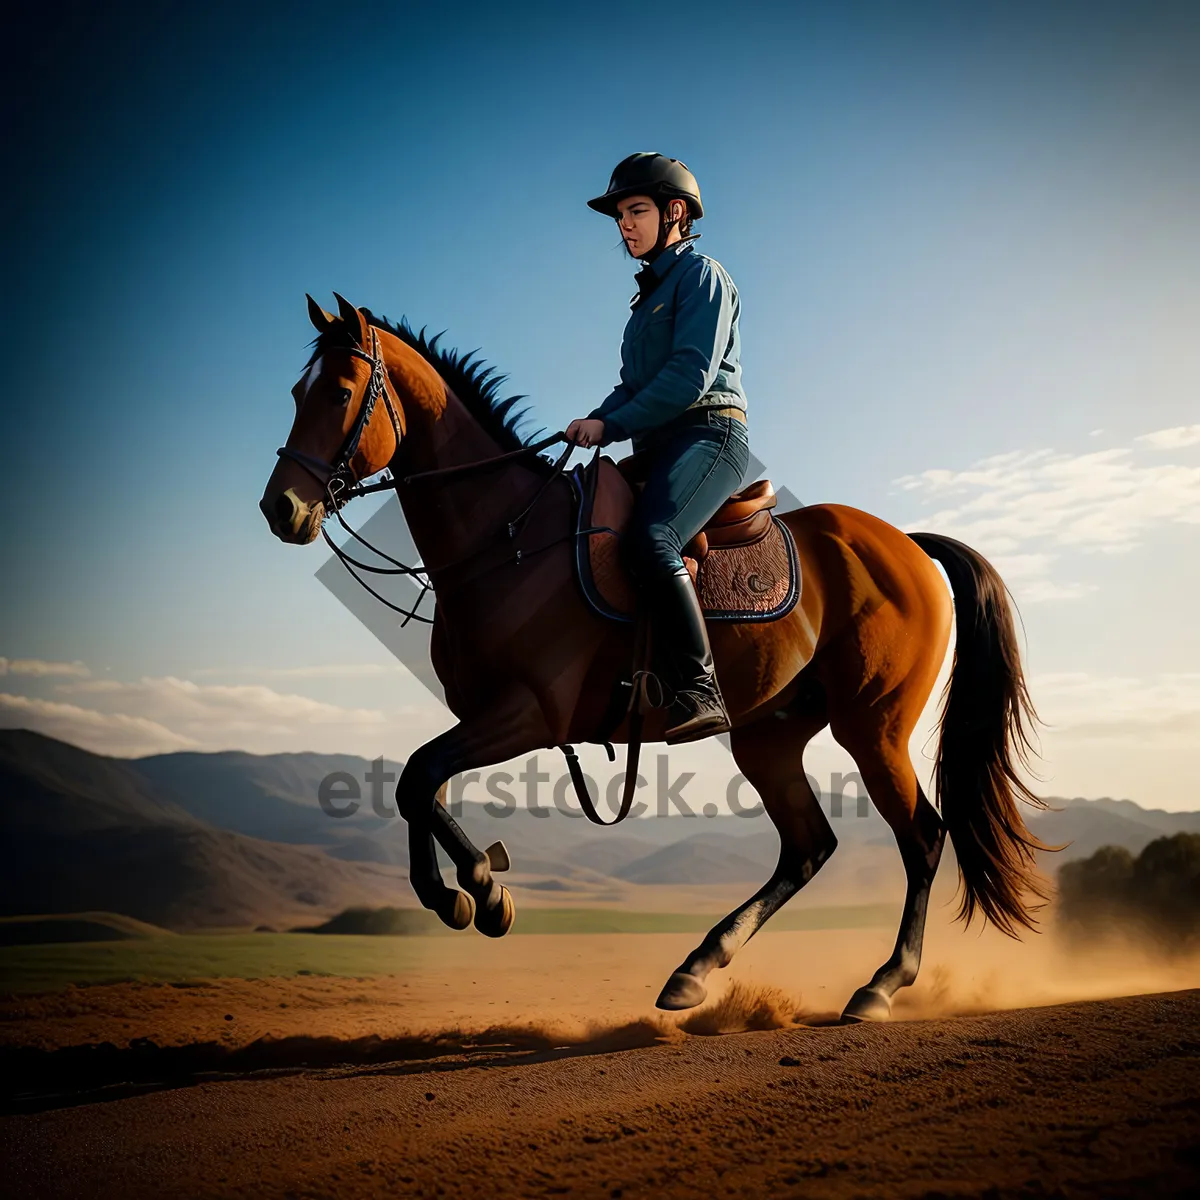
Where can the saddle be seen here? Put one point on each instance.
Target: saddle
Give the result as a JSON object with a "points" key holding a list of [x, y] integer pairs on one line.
{"points": [[743, 562]]}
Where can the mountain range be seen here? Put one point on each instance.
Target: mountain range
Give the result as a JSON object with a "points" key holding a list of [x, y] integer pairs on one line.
{"points": [[82, 832], [233, 839]]}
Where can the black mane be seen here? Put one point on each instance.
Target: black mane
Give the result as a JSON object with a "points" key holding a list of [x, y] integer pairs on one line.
{"points": [[473, 382]]}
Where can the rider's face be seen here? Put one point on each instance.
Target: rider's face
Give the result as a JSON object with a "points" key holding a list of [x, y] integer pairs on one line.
{"points": [[638, 221]]}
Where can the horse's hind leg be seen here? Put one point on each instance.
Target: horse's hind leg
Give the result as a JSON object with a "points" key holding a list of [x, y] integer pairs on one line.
{"points": [[770, 754], [892, 785]]}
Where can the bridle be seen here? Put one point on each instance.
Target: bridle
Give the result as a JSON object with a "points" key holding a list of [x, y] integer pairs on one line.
{"points": [[335, 477], [338, 481]]}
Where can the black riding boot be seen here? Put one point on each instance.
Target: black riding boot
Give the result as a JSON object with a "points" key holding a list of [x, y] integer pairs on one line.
{"points": [[678, 629]]}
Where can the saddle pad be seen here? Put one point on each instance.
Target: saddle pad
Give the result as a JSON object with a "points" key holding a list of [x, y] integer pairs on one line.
{"points": [[757, 581]]}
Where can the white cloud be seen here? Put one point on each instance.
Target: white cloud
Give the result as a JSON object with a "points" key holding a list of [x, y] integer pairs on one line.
{"points": [[1022, 567], [1171, 439], [1024, 508], [1164, 707], [1099, 501], [158, 715], [1038, 591], [103, 733], [221, 713], [1118, 735], [1027, 577], [321, 671], [39, 668]]}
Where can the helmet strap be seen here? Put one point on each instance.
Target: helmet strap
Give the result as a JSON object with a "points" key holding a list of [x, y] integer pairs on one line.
{"points": [[664, 229]]}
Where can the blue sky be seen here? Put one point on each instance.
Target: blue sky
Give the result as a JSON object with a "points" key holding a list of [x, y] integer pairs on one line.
{"points": [[962, 234]]}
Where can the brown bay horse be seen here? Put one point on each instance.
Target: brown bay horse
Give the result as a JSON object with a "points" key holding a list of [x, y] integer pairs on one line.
{"points": [[526, 664]]}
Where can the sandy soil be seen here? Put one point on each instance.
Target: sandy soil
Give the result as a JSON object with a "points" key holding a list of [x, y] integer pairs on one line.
{"points": [[538, 1066], [575, 988], [1091, 1099]]}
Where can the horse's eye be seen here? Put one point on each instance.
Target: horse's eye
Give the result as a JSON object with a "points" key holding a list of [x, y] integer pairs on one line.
{"points": [[343, 396]]}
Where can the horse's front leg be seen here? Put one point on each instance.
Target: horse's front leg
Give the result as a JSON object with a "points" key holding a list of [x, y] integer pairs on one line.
{"points": [[455, 908], [513, 725]]}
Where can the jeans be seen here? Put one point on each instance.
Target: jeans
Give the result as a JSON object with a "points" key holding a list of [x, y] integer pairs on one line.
{"points": [[693, 467]]}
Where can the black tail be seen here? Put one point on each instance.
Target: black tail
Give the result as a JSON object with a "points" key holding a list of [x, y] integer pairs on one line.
{"points": [[986, 720]]}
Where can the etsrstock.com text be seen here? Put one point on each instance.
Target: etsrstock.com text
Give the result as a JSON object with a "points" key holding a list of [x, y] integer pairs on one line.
{"points": [[499, 793]]}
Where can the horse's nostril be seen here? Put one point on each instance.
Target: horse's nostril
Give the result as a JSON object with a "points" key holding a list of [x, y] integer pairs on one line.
{"points": [[287, 515], [285, 510]]}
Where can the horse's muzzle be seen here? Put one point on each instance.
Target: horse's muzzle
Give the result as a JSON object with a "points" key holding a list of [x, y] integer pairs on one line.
{"points": [[291, 519]]}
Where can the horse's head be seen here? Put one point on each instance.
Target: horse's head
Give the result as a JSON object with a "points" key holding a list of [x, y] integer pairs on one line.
{"points": [[349, 424]]}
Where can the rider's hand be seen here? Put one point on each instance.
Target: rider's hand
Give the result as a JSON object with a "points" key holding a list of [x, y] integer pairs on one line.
{"points": [[586, 431]]}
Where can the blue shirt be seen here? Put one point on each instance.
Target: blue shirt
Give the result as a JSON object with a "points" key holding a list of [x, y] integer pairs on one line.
{"points": [[681, 347]]}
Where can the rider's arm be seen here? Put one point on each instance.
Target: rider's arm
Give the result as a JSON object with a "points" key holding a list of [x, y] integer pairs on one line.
{"points": [[618, 396], [704, 311]]}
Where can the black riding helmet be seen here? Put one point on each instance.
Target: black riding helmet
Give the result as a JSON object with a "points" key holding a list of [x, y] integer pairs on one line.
{"points": [[654, 175]]}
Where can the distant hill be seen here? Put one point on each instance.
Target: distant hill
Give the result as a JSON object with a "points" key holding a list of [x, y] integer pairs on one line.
{"points": [[202, 839], [610, 855], [43, 929], [272, 796], [86, 833], [1160, 819], [571, 841], [187, 878], [50, 788], [706, 858], [1089, 824], [379, 922]]}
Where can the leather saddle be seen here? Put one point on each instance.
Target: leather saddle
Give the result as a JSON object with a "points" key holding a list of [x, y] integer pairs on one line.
{"points": [[743, 562]]}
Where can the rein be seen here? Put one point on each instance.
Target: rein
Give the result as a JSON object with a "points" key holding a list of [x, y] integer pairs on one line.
{"points": [[422, 573], [336, 479]]}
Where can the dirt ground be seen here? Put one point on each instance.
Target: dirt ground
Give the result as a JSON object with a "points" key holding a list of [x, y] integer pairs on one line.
{"points": [[575, 988], [538, 1066], [1091, 1099]]}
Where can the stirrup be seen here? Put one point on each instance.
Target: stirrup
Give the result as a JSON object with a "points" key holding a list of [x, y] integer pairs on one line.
{"points": [[706, 718]]}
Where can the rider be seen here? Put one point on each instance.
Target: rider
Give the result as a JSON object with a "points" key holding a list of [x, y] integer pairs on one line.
{"points": [[681, 402]]}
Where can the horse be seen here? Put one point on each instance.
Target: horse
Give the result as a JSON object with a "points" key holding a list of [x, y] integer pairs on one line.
{"points": [[527, 664]]}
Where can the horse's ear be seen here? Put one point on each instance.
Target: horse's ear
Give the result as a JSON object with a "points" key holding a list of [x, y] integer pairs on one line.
{"points": [[317, 315], [356, 326]]}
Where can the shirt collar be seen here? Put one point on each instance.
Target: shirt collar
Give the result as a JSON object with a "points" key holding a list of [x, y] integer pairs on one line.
{"points": [[671, 255], [651, 275]]}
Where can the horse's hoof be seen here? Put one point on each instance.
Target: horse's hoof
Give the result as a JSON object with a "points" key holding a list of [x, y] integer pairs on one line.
{"points": [[498, 859], [458, 912], [496, 921], [682, 991], [868, 1005]]}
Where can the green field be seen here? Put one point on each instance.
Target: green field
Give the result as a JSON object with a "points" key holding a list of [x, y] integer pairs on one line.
{"points": [[178, 958], [615, 920], [184, 957]]}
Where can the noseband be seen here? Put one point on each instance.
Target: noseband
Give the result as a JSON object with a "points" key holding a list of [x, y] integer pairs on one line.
{"points": [[335, 477]]}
